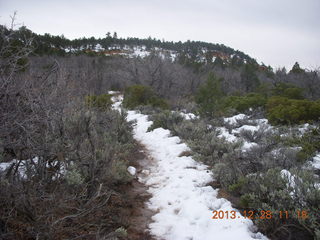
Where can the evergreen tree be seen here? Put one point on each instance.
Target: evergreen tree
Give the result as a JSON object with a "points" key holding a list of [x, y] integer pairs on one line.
{"points": [[209, 96], [249, 78], [296, 68], [218, 62]]}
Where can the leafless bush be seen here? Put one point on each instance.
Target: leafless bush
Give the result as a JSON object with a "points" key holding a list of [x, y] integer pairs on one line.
{"points": [[284, 157], [256, 136], [227, 125], [68, 153], [148, 110], [245, 121]]}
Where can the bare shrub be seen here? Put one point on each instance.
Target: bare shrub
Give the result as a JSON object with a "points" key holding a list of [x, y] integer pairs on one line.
{"points": [[64, 177], [166, 119], [256, 136]]}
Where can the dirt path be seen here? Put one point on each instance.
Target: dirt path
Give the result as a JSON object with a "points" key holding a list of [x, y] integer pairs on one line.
{"points": [[139, 216], [181, 197]]}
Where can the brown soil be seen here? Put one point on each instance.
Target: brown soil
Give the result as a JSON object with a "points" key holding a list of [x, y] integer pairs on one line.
{"points": [[139, 216], [222, 193]]}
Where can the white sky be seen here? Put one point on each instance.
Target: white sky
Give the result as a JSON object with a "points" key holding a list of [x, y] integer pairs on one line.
{"points": [[276, 32]]}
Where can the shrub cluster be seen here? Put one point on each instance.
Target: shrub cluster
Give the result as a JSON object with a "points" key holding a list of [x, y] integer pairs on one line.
{"points": [[276, 191], [282, 110], [287, 90], [246, 102], [66, 190], [309, 143], [254, 176], [165, 119], [284, 103], [137, 95], [65, 161], [103, 101], [209, 97]]}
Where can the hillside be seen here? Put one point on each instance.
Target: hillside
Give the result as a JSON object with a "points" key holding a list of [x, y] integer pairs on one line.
{"points": [[133, 47], [153, 62]]}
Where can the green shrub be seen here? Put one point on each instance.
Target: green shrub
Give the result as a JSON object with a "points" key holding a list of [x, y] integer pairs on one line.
{"points": [[246, 200], [237, 187], [224, 175], [202, 140], [288, 91], [120, 172], [74, 177], [282, 110], [137, 95], [255, 175], [274, 192], [213, 102], [148, 109], [310, 143], [122, 232], [267, 186], [243, 103], [166, 120], [293, 93], [102, 102], [209, 97], [159, 102]]}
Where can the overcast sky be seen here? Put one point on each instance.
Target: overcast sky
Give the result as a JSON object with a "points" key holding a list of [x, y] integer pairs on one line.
{"points": [[276, 32]]}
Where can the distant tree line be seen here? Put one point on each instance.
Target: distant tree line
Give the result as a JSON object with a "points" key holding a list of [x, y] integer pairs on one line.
{"points": [[239, 73], [49, 44]]}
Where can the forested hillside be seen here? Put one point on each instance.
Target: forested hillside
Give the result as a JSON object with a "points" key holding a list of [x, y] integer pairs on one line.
{"points": [[66, 141]]}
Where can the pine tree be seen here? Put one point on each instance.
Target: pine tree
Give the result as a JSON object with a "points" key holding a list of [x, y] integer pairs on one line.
{"points": [[296, 68], [249, 78], [209, 96]]}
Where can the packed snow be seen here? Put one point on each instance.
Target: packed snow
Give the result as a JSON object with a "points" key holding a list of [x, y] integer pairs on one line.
{"points": [[232, 135], [113, 92], [188, 116], [224, 133], [132, 170], [291, 179], [139, 52], [304, 128], [246, 128], [316, 162], [181, 198], [116, 99], [233, 120], [25, 167]]}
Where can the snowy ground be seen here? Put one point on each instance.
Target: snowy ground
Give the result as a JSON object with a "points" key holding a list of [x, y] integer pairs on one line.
{"points": [[180, 196], [316, 161], [25, 168], [233, 136]]}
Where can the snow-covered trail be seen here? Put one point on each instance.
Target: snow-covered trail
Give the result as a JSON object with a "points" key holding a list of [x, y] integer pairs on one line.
{"points": [[180, 196]]}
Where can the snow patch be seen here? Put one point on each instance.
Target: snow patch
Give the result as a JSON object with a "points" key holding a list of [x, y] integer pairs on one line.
{"points": [[180, 195], [233, 120], [316, 162], [25, 168], [132, 170], [247, 145], [113, 92], [246, 128], [188, 116], [304, 128], [117, 101], [225, 134], [286, 174]]}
